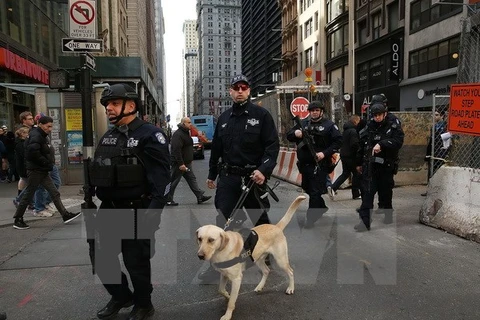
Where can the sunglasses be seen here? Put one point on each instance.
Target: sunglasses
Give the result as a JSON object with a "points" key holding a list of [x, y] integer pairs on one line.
{"points": [[237, 87]]}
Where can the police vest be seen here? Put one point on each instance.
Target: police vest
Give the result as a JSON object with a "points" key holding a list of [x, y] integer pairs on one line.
{"points": [[117, 167]]}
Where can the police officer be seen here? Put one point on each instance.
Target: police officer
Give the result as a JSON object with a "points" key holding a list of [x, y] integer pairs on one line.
{"points": [[130, 173], [245, 147], [326, 140], [382, 99], [380, 142]]}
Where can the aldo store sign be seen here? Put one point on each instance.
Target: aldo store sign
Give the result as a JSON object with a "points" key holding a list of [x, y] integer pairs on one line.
{"points": [[394, 73]]}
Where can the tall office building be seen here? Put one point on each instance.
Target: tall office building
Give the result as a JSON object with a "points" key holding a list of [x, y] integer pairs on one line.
{"points": [[261, 43], [160, 51], [190, 67], [129, 31], [219, 35]]}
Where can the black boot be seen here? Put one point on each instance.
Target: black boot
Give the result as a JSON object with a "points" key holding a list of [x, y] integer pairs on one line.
{"points": [[141, 313], [361, 227], [112, 308]]}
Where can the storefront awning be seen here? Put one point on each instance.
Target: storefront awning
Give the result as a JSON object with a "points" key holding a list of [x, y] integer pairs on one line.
{"points": [[25, 88], [30, 88]]}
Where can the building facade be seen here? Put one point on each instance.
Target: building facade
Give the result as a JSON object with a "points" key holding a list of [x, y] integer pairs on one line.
{"points": [[261, 24], [219, 38], [31, 35], [431, 52], [190, 67], [289, 32], [128, 29]]}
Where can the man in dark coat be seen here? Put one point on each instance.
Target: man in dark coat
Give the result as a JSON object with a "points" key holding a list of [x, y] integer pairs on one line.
{"points": [[182, 157], [348, 154], [39, 163]]}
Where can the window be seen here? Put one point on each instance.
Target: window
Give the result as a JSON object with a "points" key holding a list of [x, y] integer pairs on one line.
{"points": [[376, 73], [434, 58], [308, 57], [316, 53], [337, 42], [335, 8], [362, 81], [362, 32], [423, 13], [308, 28], [315, 21], [393, 16], [376, 25]]}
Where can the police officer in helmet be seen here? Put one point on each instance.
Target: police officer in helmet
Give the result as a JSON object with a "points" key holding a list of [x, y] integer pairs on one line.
{"points": [[245, 148], [382, 99], [377, 160], [130, 174], [327, 140]]}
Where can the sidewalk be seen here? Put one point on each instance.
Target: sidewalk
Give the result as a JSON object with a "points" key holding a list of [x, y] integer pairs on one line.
{"points": [[69, 194]]}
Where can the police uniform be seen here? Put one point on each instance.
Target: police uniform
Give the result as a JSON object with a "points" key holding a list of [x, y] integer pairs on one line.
{"points": [[245, 139], [327, 139], [378, 169], [131, 175]]}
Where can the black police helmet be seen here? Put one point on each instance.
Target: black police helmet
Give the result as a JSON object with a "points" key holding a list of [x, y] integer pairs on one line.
{"points": [[315, 105], [379, 98], [377, 108], [119, 91]]}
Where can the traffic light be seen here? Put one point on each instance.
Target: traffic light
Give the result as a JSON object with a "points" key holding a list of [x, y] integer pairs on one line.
{"points": [[58, 79]]}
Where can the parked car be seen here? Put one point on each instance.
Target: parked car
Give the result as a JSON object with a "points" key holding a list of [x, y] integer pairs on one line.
{"points": [[198, 149]]}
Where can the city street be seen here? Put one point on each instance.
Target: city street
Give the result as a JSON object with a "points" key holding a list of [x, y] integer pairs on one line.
{"points": [[401, 271]]}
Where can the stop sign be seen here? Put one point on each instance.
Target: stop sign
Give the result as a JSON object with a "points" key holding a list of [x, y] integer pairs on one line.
{"points": [[299, 107]]}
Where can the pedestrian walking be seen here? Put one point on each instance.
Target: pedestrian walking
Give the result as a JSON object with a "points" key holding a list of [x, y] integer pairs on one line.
{"points": [[130, 174], [42, 206], [38, 163], [27, 121], [377, 160], [348, 155], [182, 158], [440, 152], [317, 139], [245, 147]]}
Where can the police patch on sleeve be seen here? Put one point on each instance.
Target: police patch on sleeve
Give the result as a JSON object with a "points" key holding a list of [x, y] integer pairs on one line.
{"points": [[160, 138]]}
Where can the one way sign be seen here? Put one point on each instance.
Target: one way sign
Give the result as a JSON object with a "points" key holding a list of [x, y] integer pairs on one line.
{"points": [[82, 45]]}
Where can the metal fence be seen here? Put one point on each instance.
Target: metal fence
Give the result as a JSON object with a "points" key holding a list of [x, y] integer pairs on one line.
{"points": [[439, 144], [286, 94], [465, 149]]}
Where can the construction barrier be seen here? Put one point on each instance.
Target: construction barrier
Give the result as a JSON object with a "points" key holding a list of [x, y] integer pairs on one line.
{"points": [[286, 168]]}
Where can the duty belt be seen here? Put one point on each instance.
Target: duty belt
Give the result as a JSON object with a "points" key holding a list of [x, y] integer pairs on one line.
{"points": [[124, 204], [236, 170]]}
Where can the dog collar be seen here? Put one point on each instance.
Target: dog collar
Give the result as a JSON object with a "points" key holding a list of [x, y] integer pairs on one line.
{"points": [[248, 247]]}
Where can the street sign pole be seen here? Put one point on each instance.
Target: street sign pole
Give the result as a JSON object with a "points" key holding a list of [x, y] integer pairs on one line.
{"points": [[86, 91]]}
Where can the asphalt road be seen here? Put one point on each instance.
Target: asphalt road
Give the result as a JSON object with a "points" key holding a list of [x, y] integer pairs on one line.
{"points": [[401, 271]]}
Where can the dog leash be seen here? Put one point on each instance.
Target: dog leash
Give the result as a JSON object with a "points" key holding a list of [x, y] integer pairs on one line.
{"points": [[245, 191]]}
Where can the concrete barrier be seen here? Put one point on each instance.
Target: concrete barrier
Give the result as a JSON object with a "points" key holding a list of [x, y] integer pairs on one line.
{"points": [[452, 202]]}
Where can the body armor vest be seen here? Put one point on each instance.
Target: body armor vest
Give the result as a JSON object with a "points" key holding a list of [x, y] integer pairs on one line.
{"points": [[117, 169]]}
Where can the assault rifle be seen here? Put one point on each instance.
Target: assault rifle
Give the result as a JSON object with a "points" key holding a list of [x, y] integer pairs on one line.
{"points": [[89, 210], [307, 140]]}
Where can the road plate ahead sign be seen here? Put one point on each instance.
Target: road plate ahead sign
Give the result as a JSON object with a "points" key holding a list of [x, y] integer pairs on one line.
{"points": [[82, 45], [464, 112], [83, 19]]}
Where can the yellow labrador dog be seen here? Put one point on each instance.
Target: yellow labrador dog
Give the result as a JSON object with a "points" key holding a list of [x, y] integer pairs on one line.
{"points": [[217, 246]]}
